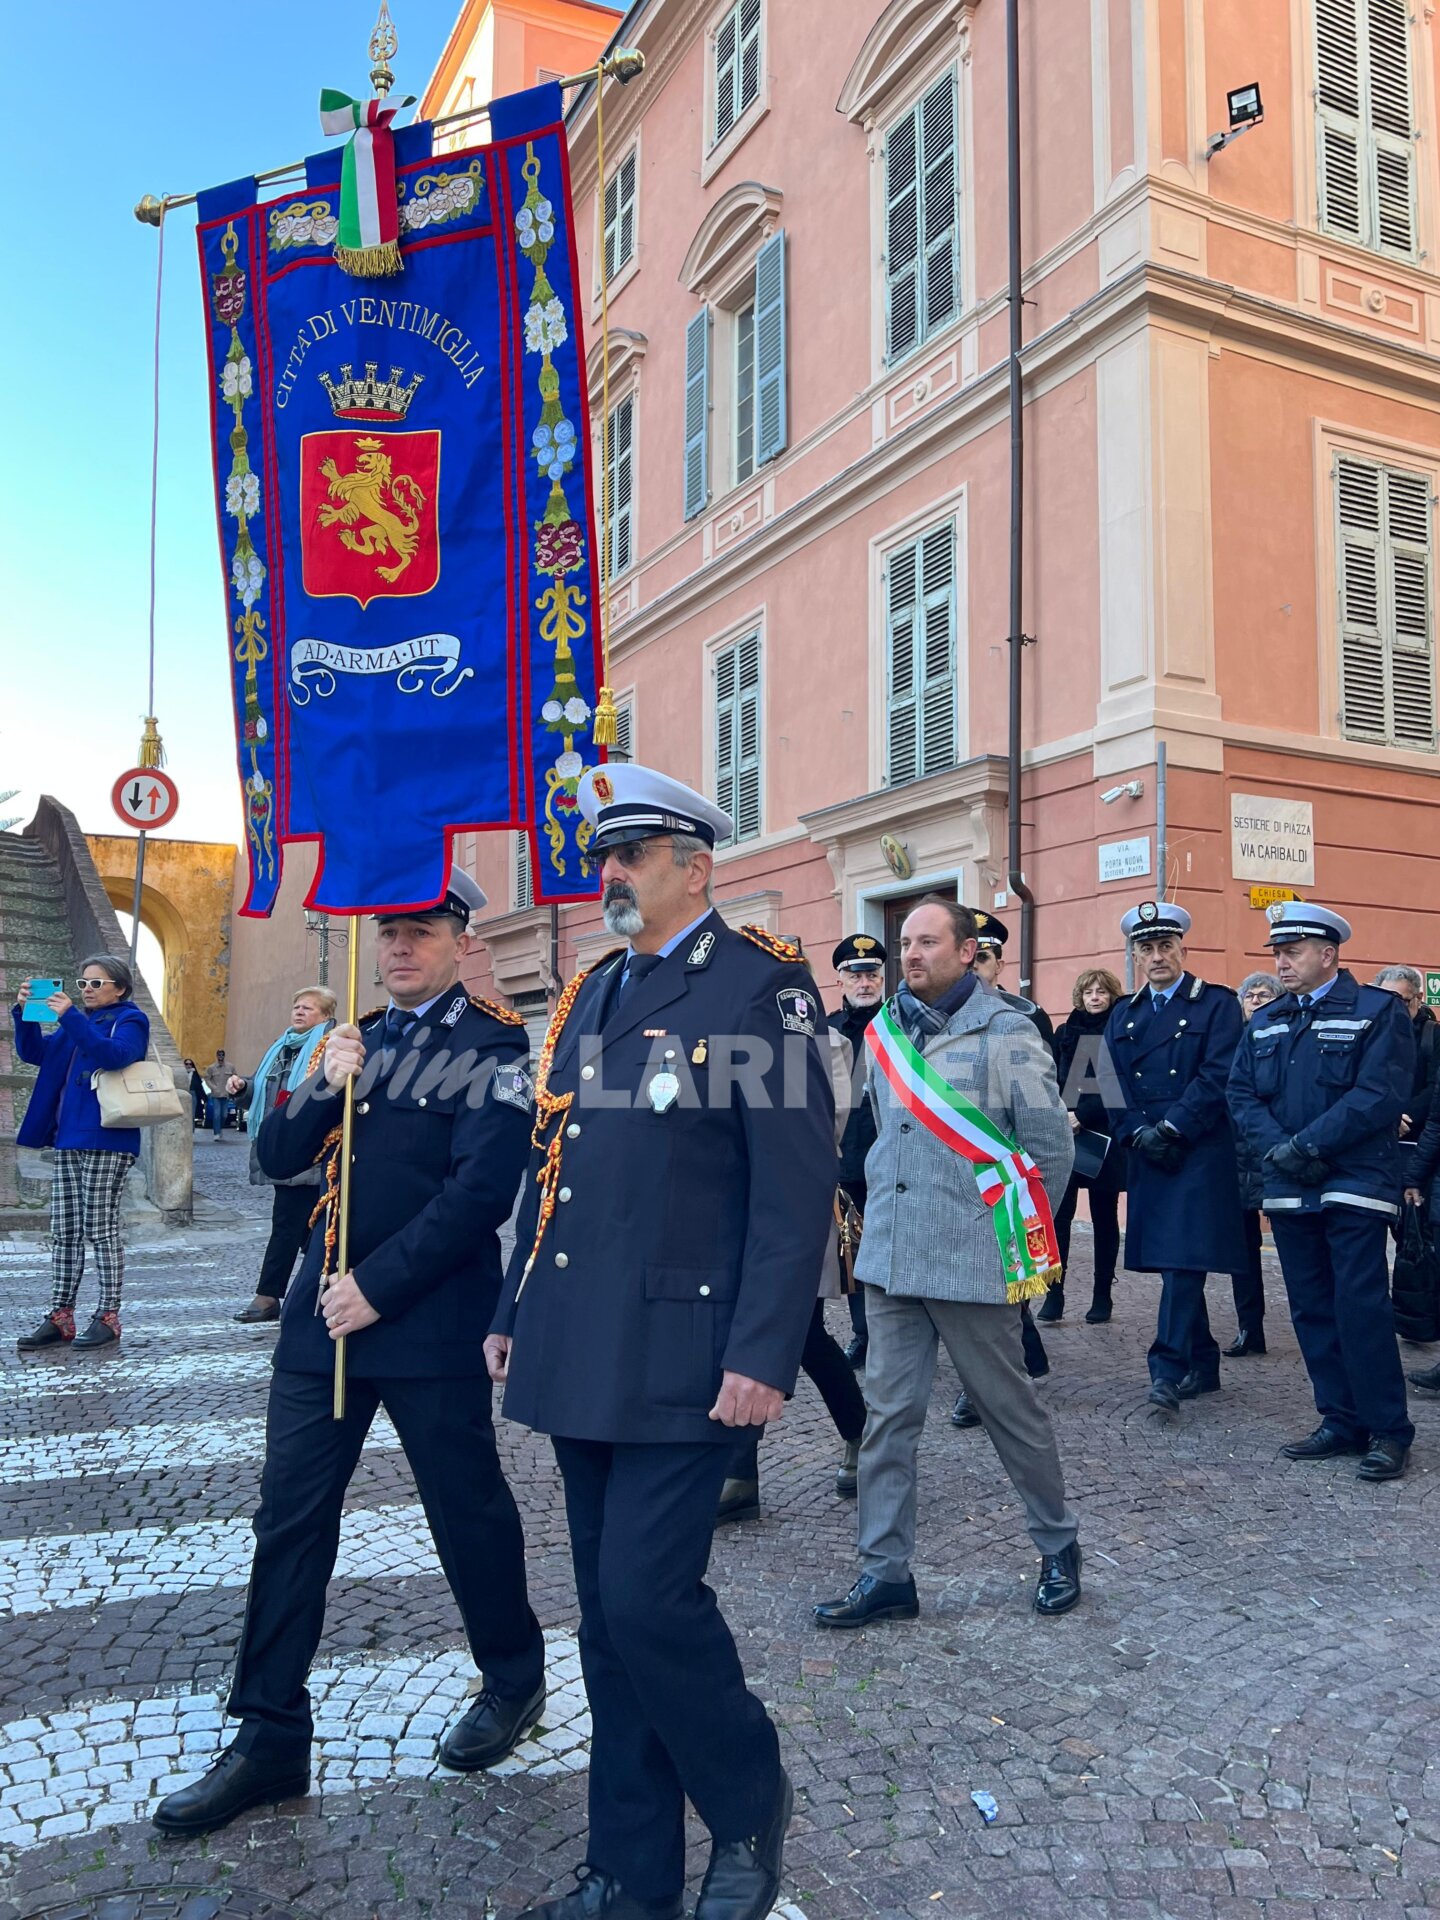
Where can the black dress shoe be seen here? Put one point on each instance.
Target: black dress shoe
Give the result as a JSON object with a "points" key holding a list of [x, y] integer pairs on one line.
{"points": [[1245, 1345], [1323, 1444], [1426, 1377], [262, 1307], [489, 1730], [847, 1474], [870, 1599], [857, 1349], [1385, 1461], [1052, 1307], [103, 1331], [55, 1330], [739, 1500], [598, 1896], [742, 1880], [1059, 1584], [234, 1784], [1194, 1384], [962, 1414], [1165, 1395]]}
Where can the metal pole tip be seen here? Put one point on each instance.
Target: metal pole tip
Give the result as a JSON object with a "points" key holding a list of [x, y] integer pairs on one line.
{"points": [[625, 64], [148, 210]]}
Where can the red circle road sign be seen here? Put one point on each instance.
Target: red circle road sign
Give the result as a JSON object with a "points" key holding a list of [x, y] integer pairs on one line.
{"points": [[144, 797]]}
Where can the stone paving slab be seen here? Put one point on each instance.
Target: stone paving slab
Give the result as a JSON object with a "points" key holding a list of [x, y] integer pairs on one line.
{"points": [[1239, 1723]]}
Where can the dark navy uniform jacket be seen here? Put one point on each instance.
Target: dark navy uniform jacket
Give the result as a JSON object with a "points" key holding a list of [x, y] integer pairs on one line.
{"points": [[1335, 1077], [1173, 1065], [684, 1242], [441, 1132]]}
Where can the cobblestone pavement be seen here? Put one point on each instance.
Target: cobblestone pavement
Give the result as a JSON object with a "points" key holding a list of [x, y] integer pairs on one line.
{"points": [[1240, 1721]]}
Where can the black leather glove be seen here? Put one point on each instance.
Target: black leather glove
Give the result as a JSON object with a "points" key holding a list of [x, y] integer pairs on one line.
{"points": [[1161, 1146], [1297, 1164]]}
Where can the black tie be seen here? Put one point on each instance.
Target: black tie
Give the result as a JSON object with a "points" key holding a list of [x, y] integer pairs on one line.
{"points": [[398, 1022], [1305, 1002], [636, 968]]}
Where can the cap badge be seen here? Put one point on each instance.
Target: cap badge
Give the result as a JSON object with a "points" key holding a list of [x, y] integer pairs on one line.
{"points": [[1148, 911], [982, 920], [862, 943], [1275, 912], [603, 788]]}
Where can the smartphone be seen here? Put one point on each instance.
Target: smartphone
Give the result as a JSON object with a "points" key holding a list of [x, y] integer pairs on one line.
{"points": [[40, 992]]}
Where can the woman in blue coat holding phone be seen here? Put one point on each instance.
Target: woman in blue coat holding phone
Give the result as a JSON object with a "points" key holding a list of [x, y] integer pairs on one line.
{"points": [[105, 1032]]}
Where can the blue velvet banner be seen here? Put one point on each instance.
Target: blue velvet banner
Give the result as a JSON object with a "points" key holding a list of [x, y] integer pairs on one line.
{"points": [[406, 521]]}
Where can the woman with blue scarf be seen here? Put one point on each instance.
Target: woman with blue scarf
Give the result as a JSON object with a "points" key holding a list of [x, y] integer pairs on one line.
{"points": [[271, 1085]]}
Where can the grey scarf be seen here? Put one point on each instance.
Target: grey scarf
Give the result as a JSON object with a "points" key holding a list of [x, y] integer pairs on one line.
{"points": [[922, 1022]]}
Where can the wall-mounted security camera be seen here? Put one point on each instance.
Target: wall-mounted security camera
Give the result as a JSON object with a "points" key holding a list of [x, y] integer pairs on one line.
{"points": [[1246, 110], [1131, 790]]}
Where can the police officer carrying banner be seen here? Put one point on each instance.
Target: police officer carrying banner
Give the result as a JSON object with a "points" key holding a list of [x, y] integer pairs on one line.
{"points": [[1320, 1081], [666, 1261], [1172, 1045], [441, 1124]]}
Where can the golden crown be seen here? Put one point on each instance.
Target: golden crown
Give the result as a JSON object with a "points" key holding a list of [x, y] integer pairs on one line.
{"points": [[370, 398]]}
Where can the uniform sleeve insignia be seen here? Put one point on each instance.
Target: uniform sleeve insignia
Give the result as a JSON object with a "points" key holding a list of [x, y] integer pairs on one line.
{"points": [[772, 944], [797, 1009], [701, 950], [507, 1016], [513, 1087]]}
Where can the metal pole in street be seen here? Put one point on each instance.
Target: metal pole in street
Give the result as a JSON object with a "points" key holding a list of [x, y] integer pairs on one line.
{"points": [[135, 904], [1162, 843]]}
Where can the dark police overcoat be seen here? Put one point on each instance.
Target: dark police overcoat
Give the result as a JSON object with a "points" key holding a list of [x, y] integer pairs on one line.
{"points": [[441, 1134], [687, 1233], [1173, 1065]]}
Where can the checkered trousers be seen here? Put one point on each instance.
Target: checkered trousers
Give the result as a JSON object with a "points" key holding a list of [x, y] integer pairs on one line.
{"points": [[85, 1205]]}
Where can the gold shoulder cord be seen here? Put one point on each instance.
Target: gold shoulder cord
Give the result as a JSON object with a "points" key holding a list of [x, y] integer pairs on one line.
{"points": [[771, 943], [551, 1106], [506, 1015], [329, 1201]]}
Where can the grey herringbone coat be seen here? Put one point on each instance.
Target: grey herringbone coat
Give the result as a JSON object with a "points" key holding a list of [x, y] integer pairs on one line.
{"points": [[927, 1231]]}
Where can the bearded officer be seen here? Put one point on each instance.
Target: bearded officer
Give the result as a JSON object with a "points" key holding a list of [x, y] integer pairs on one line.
{"points": [[1321, 1079], [440, 1131], [664, 1275], [1172, 1045]]}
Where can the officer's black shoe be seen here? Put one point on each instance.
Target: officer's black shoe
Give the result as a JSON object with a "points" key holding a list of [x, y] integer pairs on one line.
{"points": [[1052, 1307], [1194, 1384], [1426, 1377], [1323, 1444], [263, 1307], [1385, 1461], [743, 1877], [962, 1414], [233, 1785], [857, 1349], [490, 1729], [598, 1896], [870, 1599], [847, 1474], [739, 1500], [1059, 1585], [1245, 1345], [1165, 1395], [103, 1331]]}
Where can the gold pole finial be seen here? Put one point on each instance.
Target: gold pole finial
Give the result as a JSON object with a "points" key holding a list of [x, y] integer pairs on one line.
{"points": [[384, 44]]}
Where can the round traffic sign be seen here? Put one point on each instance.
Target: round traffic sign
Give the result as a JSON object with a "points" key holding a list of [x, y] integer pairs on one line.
{"points": [[145, 798]]}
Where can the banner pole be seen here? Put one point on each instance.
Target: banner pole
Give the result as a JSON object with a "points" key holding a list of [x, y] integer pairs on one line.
{"points": [[347, 1129]]}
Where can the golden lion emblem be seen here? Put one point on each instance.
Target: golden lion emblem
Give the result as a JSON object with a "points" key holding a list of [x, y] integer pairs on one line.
{"points": [[386, 503]]}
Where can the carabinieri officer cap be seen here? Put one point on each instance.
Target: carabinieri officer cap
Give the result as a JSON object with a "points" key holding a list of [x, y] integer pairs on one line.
{"points": [[1303, 920], [461, 898], [1153, 919], [990, 932], [625, 802], [858, 950]]}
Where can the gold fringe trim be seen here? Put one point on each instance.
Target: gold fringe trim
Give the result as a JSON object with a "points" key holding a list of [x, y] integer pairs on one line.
{"points": [[371, 263], [1035, 1288], [152, 751]]}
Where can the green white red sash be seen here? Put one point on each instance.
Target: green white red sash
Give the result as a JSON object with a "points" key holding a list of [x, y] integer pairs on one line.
{"points": [[1008, 1179], [368, 241]]}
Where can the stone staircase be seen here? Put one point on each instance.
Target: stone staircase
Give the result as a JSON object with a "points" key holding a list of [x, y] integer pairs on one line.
{"points": [[34, 940]]}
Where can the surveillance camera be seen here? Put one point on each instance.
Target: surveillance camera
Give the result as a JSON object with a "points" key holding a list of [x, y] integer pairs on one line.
{"points": [[1110, 795], [1131, 790]]}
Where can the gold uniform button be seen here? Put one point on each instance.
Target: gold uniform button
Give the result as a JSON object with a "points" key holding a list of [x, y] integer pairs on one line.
{"points": [[564, 1193], [562, 1259], [572, 1132], [587, 1073]]}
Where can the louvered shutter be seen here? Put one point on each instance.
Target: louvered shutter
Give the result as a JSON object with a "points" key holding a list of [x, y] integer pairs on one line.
{"points": [[738, 735], [727, 66], [771, 423], [697, 413], [620, 217], [902, 707], [1387, 645], [619, 464], [940, 279], [902, 240], [937, 693], [624, 747], [922, 226], [524, 877], [921, 733], [1392, 132], [1364, 125]]}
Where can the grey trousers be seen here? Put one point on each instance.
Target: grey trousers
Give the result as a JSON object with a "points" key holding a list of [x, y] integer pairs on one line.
{"points": [[984, 1347]]}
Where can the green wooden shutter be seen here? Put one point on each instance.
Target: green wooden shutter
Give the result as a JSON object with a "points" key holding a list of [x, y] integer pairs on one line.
{"points": [[1410, 603], [771, 424], [1364, 123], [619, 462], [737, 65], [920, 668], [1386, 605], [697, 413], [902, 607], [922, 220], [940, 230], [620, 216], [937, 663], [738, 735], [902, 240]]}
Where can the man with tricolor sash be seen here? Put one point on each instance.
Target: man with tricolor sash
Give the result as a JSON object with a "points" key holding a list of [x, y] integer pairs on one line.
{"points": [[972, 1138]]}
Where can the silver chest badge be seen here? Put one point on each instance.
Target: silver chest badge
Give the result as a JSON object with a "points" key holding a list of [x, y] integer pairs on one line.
{"points": [[664, 1088]]}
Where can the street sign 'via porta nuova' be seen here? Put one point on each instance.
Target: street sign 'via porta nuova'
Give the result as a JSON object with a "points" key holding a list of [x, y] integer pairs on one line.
{"points": [[145, 798]]}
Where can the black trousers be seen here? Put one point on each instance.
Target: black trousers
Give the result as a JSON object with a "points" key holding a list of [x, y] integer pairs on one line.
{"points": [[1183, 1341], [1338, 1281], [1249, 1286], [670, 1713], [1105, 1220], [289, 1231], [824, 1360], [449, 1440]]}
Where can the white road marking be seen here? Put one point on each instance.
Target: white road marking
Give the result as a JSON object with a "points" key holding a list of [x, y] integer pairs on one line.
{"points": [[150, 1449], [126, 1370]]}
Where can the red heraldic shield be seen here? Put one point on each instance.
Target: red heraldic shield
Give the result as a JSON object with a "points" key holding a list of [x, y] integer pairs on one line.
{"points": [[369, 513]]}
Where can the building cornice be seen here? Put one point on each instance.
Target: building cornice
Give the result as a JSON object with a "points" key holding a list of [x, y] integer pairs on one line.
{"points": [[908, 34]]}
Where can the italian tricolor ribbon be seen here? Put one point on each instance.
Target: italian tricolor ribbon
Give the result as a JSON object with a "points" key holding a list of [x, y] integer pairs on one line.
{"points": [[1008, 1179], [368, 243]]}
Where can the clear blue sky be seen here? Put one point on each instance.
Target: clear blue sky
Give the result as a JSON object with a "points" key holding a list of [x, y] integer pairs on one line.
{"points": [[116, 102]]}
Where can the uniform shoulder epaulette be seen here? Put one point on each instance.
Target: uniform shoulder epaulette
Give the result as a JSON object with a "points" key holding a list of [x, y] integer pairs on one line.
{"points": [[375, 1013], [507, 1016], [771, 943]]}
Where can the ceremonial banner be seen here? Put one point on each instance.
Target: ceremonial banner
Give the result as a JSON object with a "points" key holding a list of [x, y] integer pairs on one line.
{"points": [[406, 521]]}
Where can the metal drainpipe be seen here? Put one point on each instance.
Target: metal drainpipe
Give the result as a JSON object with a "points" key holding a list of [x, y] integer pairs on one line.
{"points": [[1014, 879], [1162, 825]]}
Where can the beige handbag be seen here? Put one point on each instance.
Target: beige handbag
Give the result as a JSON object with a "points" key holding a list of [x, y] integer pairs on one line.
{"points": [[141, 1095]]}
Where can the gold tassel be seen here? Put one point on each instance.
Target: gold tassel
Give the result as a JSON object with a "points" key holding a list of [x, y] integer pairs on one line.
{"points": [[603, 731], [152, 751], [371, 263]]}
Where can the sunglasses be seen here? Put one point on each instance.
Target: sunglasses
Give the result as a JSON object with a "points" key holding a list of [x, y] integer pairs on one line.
{"points": [[631, 853], [82, 984]]}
